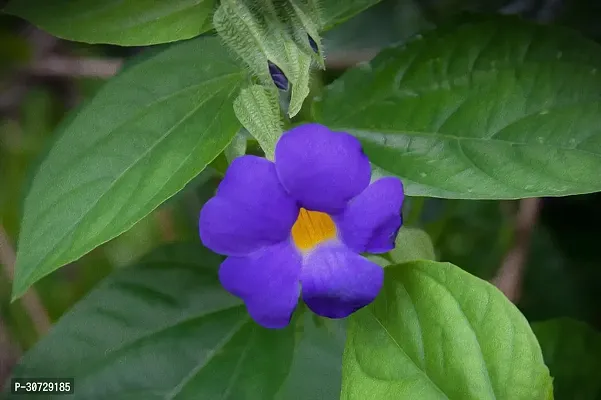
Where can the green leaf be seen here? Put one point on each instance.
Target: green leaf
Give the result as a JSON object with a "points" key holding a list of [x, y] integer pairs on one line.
{"points": [[246, 35], [126, 23], [258, 109], [299, 76], [163, 329], [316, 368], [487, 110], [334, 12], [305, 20], [572, 350], [146, 134], [437, 332], [412, 244], [388, 23]]}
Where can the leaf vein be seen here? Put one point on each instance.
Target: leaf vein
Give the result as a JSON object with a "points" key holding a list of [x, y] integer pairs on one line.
{"points": [[73, 226]]}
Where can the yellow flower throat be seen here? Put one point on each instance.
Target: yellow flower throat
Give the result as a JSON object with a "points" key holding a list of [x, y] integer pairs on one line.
{"points": [[312, 228]]}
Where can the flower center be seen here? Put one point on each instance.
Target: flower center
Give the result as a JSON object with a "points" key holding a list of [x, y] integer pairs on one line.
{"points": [[311, 228]]}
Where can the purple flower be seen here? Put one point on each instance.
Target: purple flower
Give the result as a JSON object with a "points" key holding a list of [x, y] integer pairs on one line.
{"points": [[297, 226]]}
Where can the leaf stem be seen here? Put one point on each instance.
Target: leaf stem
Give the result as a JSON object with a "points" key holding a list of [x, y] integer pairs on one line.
{"points": [[510, 275]]}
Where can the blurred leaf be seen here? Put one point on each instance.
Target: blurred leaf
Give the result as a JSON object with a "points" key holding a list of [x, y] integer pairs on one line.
{"points": [[412, 244], [473, 234], [59, 292], [437, 332], [337, 11], [142, 237], [126, 23], [316, 368], [572, 350], [382, 25], [582, 15], [442, 10], [22, 142], [494, 109], [146, 134], [14, 50], [556, 284], [88, 87], [184, 206], [563, 276], [15, 319], [163, 329]]}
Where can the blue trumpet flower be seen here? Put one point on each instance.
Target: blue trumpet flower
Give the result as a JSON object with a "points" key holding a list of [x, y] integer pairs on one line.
{"points": [[297, 226]]}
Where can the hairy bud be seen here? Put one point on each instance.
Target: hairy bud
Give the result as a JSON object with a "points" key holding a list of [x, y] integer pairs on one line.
{"points": [[277, 39], [258, 109]]}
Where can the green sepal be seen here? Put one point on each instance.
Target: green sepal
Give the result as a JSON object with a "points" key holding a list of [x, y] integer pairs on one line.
{"points": [[299, 76], [307, 21], [244, 34], [258, 109], [277, 31]]}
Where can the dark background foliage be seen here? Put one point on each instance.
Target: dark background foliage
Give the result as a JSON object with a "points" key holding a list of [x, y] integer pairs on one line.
{"points": [[42, 78]]}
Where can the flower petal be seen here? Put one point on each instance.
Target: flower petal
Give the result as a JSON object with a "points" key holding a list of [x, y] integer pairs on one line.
{"points": [[337, 282], [250, 210], [321, 169], [372, 220], [268, 282]]}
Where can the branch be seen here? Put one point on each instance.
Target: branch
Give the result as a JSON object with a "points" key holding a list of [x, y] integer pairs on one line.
{"points": [[165, 224], [16, 86], [70, 67], [510, 275], [74, 67], [31, 301], [61, 66], [9, 354]]}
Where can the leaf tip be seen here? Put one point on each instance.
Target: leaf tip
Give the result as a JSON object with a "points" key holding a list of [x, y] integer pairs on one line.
{"points": [[18, 291], [21, 282]]}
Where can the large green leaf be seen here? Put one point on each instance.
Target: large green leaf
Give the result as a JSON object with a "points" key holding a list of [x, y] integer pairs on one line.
{"points": [[316, 369], [494, 109], [163, 329], [437, 332], [572, 351], [146, 134], [126, 23]]}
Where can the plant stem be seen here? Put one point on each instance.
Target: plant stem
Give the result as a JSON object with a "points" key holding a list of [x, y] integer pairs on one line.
{"points": [[31, 301]]}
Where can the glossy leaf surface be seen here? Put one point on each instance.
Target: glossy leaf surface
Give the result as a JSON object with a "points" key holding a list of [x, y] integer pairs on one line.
{"points": [[125, 23], [163, 329], [146, 134], [493, 109], [437, 332]]}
